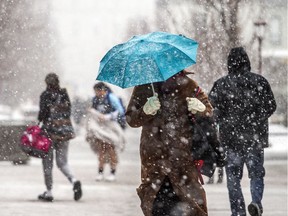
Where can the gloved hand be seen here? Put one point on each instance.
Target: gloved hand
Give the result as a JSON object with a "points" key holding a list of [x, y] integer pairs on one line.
{"points": [[195, 105], [152, 105]]}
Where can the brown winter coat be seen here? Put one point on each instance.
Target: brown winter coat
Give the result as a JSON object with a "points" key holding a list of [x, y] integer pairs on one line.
{"points": [[166, 140]]}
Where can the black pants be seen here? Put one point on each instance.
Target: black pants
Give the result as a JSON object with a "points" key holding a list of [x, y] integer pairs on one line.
{"points": [[166, 201]]}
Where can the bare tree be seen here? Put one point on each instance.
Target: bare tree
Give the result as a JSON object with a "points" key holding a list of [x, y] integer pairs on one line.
{"points": [[137, 26], [216, 24], [27, 49]]}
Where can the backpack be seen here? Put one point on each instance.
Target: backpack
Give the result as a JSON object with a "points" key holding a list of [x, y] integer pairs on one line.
{"points": [[206, 148], [121, 118], [61, 128]]}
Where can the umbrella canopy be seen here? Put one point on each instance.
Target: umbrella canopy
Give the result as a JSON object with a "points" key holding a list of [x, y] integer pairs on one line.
{"points": [[149, 58]]}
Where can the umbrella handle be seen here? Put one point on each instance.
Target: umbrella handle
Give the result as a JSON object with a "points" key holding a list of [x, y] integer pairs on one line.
{"points": [[154, 93]]}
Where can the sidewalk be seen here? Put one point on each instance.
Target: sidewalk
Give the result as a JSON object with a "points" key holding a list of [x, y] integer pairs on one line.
{"points": [[20, 186]]}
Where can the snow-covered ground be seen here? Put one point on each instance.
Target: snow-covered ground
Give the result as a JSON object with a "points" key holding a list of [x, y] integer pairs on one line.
{"points": [[20, 185], [278, 140]]}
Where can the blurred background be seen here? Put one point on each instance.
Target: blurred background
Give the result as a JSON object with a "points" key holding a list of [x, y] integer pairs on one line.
{"points": [[70, 37]]}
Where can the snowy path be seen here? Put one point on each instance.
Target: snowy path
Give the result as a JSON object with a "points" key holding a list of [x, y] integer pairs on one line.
{"points": [[20, 185]]}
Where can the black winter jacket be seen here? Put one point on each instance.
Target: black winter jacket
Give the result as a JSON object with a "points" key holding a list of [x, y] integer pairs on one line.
{"points": [[243, 101]]}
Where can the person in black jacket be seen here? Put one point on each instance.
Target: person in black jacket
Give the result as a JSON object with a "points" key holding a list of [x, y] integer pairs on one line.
{"points": [[243, 101], [48, 100]]}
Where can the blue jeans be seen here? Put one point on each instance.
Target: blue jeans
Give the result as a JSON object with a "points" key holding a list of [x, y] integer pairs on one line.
{"points": [[254, 160]]}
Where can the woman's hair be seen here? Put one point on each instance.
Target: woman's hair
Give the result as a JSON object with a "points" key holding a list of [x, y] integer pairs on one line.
{"points": [[52, 81], [102, 86]]}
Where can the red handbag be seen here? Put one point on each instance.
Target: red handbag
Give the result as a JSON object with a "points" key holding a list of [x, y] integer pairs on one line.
{"points": [[34, 142]]}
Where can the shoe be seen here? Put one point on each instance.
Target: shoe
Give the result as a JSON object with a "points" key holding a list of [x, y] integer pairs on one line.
{"points": [[254, 209], [99, 177], [110, 178], [45, 197], [77, 190]]}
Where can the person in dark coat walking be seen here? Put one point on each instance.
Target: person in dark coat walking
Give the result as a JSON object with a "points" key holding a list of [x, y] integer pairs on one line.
{"points": [[243, 101], [48, 100]]}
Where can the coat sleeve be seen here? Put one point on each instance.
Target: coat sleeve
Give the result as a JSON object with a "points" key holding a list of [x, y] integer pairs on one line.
{"points": [[267, 104], [135, 115], [44, 109], [216, 100]]}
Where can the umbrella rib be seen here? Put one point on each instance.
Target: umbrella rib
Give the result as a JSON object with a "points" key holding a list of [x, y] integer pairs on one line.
{"points": [[170, 49], [123, 79], [159, 69]]}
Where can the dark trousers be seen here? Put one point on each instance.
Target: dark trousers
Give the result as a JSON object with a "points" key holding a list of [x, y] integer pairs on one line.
{"points": [[253, 158]]}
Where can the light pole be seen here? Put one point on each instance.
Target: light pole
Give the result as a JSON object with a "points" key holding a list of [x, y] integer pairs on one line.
{"points": [[260, 30]]}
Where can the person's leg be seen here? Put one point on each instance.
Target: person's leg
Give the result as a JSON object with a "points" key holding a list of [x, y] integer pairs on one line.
{"points": [[220, 175], [47, 163], [62, 160], [62, 163], [211, 180], [234, 173], [113, 157], [256, 171], [113, 161], [101, 161]]}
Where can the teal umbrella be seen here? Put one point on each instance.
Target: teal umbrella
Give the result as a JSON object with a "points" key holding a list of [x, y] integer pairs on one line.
{"points": [[148, 58]]}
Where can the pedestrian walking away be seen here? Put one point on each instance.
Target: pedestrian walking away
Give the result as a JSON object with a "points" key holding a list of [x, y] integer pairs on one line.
{"points": [[105, 129], [169, 177], [243, 101], [54, 114]]}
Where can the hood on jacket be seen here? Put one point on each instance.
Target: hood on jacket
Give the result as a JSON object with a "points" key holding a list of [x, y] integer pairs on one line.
{"points": [[238, 61]]}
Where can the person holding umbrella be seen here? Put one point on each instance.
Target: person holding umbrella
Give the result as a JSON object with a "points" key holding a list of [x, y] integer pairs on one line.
{"points": [[161, 103], [168, 172]]}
